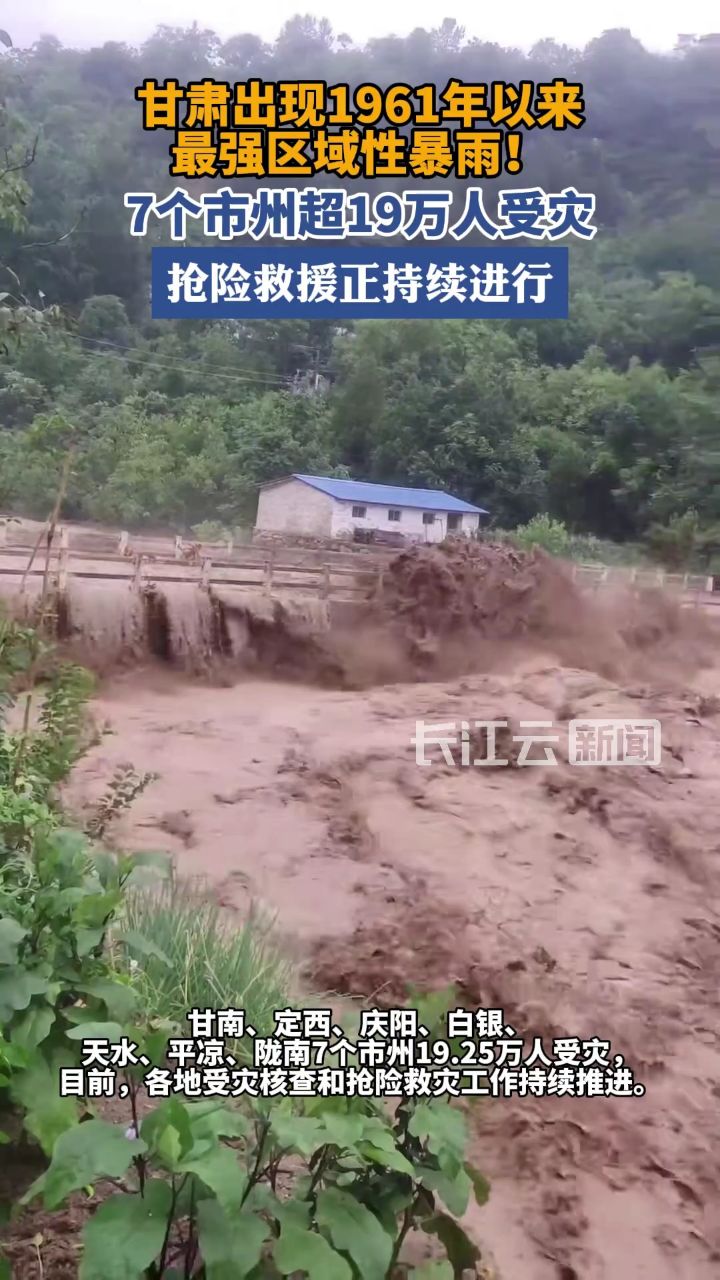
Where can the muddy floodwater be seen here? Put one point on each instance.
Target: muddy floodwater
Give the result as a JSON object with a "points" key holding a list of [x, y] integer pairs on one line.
{"points": [[584, 902]]}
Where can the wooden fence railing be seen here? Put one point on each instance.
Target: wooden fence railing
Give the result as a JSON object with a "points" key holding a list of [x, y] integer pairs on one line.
{"points": [[321, 574], [267, 573]]}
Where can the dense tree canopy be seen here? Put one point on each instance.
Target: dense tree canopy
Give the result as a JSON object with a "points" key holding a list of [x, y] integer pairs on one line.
{"points": [[609, 420]]}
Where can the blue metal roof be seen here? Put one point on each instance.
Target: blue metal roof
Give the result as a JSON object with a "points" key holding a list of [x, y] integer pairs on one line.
{"points": [[389, 495]]}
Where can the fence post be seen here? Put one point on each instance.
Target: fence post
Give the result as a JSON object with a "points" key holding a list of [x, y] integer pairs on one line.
{"points": [[268, 577], [123, 543], [3, 533], [138, 576], [205, 573], [178, 546], [325, 582], [230, 544], [63, 558]]}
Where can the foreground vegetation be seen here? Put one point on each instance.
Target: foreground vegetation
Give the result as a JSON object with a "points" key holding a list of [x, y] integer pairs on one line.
{"points": [[326, 1187], [608, 421]]}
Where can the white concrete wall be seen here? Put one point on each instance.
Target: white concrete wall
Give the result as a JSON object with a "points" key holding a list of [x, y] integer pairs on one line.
{"points": [[294, 507], [410, 523]]}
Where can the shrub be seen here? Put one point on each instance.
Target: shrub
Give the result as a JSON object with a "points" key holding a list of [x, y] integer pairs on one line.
{"points": [[672, 545], [543, 531], [58, 894], [210, 531]]}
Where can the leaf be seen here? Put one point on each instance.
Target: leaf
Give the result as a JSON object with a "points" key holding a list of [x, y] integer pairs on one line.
{"points": [[33, 1027], [389, 1200], [11, 935], [135, 941], [212, 1120], [387, 1159], [306, 1251], [167, 1131], [461, 1252], [293, 1213], [221, 1172], [5, 1272], [379, 1133], [5, 39], [39, 1079], [343, 1130], [111, 1031], [154, 1041], [49, 1118], [160, 864], [86, 940], [441, 1126], [480, 1184], [125, 1235], [92, 1150], [453, 1189], [301, 1133], [106, 865], [230, 1245], [354, 1230], [96, 908], [17, 988], [119, 999], [433, 1007]]}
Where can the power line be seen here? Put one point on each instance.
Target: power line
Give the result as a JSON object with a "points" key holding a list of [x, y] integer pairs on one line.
{"points": [[122, 346], [213, 368], [269, 381]]}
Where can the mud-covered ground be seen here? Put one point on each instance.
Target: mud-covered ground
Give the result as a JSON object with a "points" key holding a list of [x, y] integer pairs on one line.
{"points": [[584, 901]]}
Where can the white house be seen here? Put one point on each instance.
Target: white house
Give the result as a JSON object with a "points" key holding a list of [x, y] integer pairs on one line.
{"points": [[327, 508]]}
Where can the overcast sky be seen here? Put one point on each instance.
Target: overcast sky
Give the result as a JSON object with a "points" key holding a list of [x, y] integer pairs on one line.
{"points": [[85, 22]]}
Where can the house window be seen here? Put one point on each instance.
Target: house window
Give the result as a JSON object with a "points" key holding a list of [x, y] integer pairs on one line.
{"points": [[454, 523], [393, 514], [428, 517], [359, 513]]}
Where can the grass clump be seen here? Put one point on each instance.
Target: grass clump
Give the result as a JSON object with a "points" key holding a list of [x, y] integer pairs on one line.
{"points": [[202, 960]]}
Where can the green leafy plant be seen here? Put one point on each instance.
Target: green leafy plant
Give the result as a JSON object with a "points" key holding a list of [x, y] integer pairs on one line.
{"points": [[58, 894], [543, 531], [330, 1187], [124, 788]]}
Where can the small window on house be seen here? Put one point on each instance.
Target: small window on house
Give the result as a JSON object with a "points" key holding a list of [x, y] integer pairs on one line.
{"points": [[359, 513], [393, 514], [454, 523], [428, 517]]}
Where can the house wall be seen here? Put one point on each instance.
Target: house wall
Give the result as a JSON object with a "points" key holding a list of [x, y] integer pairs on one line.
{"points": [[294, 507], [410, 523]]}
